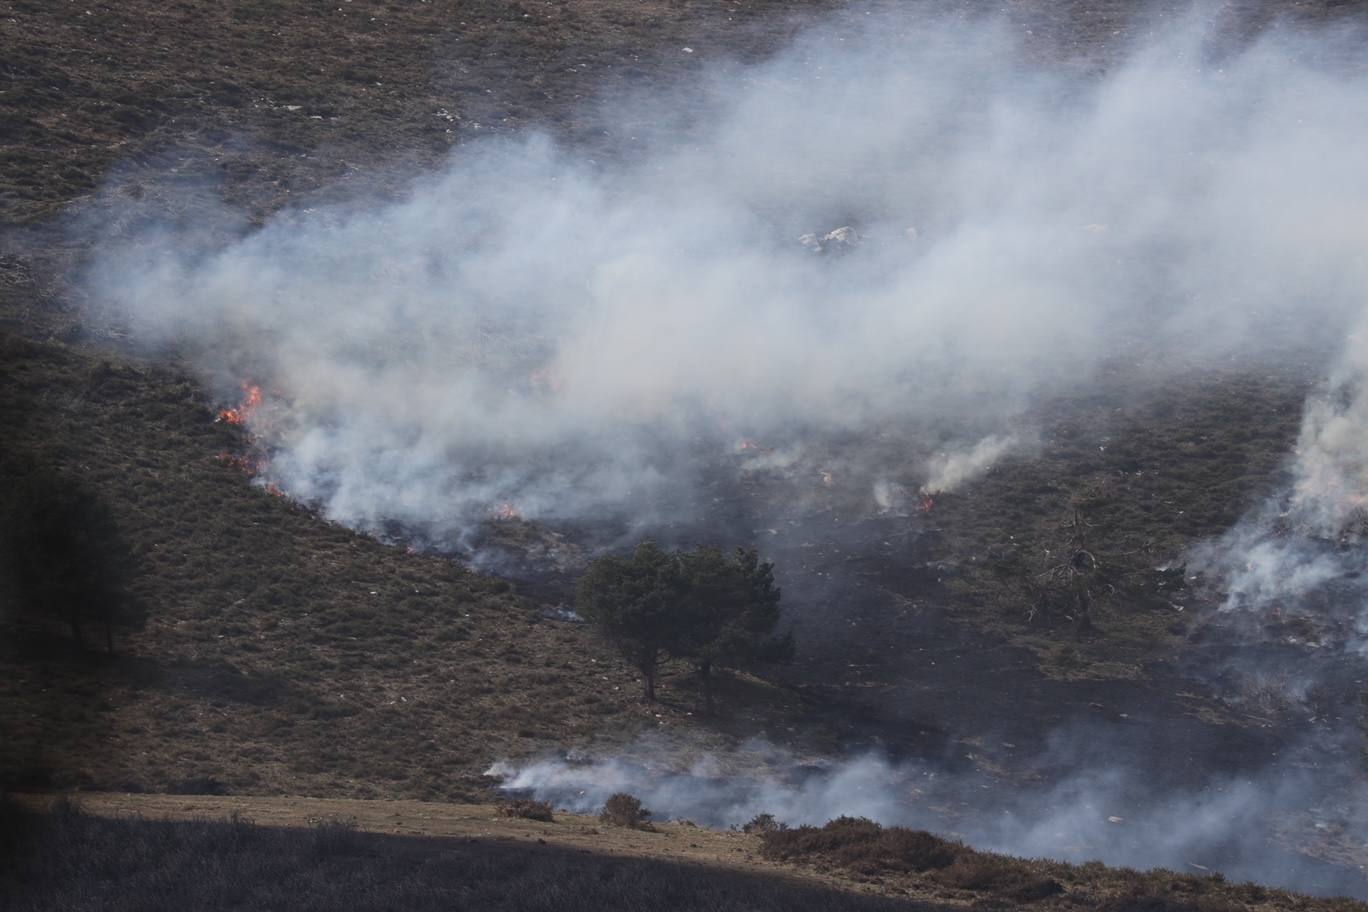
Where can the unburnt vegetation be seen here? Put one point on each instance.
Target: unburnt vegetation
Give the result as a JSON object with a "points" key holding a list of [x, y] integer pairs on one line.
{"points": [[920, 862], [528, 809], [59, 854], [625, 810], [66, 555], [278, 653], [75, 861], [701, 606]]}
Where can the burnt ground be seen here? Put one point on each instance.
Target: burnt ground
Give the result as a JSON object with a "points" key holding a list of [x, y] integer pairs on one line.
{"points": [[267, 105]]}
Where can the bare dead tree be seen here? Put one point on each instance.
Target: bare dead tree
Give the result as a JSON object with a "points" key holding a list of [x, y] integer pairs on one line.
{"points": [[1075, 576]]}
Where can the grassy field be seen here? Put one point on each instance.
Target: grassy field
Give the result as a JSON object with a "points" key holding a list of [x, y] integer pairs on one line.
{"points": [[280, 653], [76, 861]]}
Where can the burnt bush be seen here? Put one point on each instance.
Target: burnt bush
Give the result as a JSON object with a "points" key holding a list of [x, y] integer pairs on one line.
{"points": [[528, 809], [863, 846], [625, 810]]}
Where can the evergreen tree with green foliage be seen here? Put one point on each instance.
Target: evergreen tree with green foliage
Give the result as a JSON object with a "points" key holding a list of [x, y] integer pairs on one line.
{"points": [[732, 612], [701, 605], [636, 602]]}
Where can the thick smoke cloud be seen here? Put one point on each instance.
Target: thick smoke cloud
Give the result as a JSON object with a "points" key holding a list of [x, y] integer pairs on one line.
{"points": [[575, 337]]}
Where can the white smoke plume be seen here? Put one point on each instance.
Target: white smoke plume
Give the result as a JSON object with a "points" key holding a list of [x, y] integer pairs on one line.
{"points": [[948, 471], [1330, 487], [1111, 812], [576, 336], [1301, 552]]}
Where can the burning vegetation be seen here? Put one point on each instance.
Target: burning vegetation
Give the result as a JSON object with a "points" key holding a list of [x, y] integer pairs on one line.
{"points": [[241, 413], [931, 401]]}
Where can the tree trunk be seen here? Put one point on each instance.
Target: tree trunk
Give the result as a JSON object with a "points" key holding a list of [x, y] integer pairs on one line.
{"points": [[648, 673], [705, 675], [1082, 612]]}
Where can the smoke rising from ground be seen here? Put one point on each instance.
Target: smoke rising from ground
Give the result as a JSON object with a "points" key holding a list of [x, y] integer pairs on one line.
{"points": [[532, 327], [950, 470], [572, 339], [1300, 553], [1114, 812]]}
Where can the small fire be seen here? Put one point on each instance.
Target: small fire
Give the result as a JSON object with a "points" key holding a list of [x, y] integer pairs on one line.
{"points": [[251, 401], [928, 503], [250, 464], [507, 511], [827, 479]]}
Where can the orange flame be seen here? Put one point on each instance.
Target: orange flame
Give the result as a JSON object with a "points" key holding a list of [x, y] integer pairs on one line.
{"points": [[251, 401], [507, 511], [250, 464], [928, 503]]}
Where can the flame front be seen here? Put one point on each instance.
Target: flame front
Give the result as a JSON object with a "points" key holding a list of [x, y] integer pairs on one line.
{"points": [[251, 401]]}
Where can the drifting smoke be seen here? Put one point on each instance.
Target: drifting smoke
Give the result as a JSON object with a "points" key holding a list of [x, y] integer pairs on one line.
{"points": [[531, 327], [1330, 488], [950, 470], [1301, 552], [532, 333], [1110, 812]]}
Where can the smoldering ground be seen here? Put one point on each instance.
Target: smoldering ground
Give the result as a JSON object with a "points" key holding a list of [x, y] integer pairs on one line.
{"points": [[1256, 826], [588, 339], [571, 336]]}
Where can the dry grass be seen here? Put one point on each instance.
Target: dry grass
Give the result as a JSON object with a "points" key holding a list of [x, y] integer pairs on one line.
{"points": [[913, 862], [287, 655], [281, 653], [74, 861]]}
